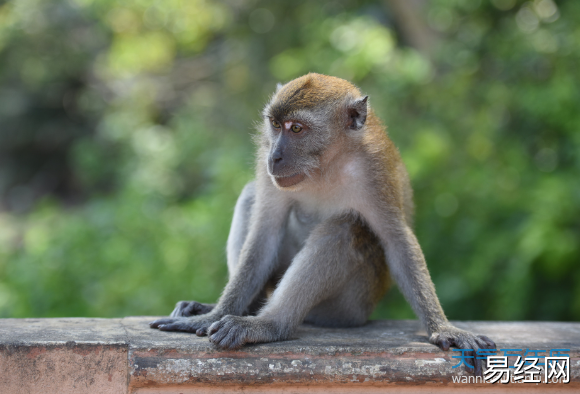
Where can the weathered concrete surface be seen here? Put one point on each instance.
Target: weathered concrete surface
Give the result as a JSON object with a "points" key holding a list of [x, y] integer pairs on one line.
{"points": [[354, 389], [380, 353], [125, 355], [63, 356]]}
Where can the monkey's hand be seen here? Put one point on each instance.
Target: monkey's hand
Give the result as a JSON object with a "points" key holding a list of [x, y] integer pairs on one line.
{"points": [[232, 332], [197, 324], [191, 308], [450, 336]]}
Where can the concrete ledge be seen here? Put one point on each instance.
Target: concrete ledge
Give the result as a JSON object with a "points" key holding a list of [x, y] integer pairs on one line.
{"points": [[126, 356]]}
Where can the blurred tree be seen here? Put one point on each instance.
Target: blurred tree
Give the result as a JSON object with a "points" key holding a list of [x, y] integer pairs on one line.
{"points": [[47, 53], [139, 112]]}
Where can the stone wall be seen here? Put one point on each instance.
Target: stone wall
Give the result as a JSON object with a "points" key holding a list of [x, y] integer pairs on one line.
{"points": [[75, 355]]}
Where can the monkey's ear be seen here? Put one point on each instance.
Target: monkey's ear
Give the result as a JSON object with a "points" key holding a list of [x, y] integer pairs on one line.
{"points": [[278, 87], [357, 113]]}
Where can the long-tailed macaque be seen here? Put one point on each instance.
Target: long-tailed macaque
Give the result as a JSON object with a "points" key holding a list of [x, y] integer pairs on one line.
{"points": [[316, 235]]}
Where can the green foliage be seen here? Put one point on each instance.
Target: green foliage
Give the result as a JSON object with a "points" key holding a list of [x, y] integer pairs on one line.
{"points": [[124, 142]]}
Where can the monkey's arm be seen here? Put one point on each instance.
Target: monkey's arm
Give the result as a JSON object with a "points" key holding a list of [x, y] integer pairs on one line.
{"points": [[257, 258], [256, 262], [408, 268]]}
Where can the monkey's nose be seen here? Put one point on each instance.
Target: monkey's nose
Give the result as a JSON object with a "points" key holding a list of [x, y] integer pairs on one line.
{"points": [[277, 156], [276, 160], [277, 164]]}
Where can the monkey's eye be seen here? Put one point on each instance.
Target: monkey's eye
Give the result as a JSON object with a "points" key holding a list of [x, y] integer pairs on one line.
{"points": [[276, 124], [296, 128]]}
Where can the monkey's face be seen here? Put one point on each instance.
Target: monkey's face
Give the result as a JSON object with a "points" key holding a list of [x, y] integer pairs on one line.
{"points": [[303, 122], [296, 143]]}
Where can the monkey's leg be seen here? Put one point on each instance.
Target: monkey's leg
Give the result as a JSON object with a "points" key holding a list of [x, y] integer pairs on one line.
{"points": [[240, 225], [253, 258], [354, 302], [321, 271]]}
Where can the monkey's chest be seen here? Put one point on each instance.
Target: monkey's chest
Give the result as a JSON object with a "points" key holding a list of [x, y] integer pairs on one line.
{"points": [[298, 227], [300, 224]]}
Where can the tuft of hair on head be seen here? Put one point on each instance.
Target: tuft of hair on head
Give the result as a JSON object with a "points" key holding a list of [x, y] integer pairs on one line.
{"points": [[309, 91]]}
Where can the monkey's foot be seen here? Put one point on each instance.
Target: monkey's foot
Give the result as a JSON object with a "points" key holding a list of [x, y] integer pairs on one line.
{"points": [[232, 332], [450, 336], [191, 308], [196, 324]]}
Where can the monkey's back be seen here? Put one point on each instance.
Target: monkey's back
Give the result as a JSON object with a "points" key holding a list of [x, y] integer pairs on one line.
{"points": [[387, 169]]}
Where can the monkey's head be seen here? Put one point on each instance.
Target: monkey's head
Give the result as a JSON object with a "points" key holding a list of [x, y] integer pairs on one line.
{"points": [[306, 120]]}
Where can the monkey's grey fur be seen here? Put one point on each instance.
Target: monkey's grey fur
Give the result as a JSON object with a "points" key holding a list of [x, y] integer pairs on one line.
{"points": [[312, 237]]}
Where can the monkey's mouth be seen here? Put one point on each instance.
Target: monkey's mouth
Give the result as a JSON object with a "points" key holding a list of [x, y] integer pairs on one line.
{"points": [[287, 181]]}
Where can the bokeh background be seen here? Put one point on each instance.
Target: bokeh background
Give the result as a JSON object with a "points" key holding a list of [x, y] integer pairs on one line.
{"points": [[125, 139]]}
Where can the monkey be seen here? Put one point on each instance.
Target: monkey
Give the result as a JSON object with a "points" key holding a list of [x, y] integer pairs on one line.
{"points": [[318, 234]]}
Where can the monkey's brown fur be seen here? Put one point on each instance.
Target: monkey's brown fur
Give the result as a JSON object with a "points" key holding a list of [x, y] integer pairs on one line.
{"points": [[330, 209], [309, 91]]}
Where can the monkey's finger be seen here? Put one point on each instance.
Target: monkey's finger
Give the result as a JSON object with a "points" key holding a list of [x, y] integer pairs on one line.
{"points": [[461, 343], [222, 333], [177, 327], [484, 343], [444, 344], [217, 335], [488, 341], [482, 365], [158, 322], [472, 343], [477, 363], [473, 361], [228, 338], [478, 367], [177, 310], [192, 309], [201, 332], [481, 343], [215, 327]]}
